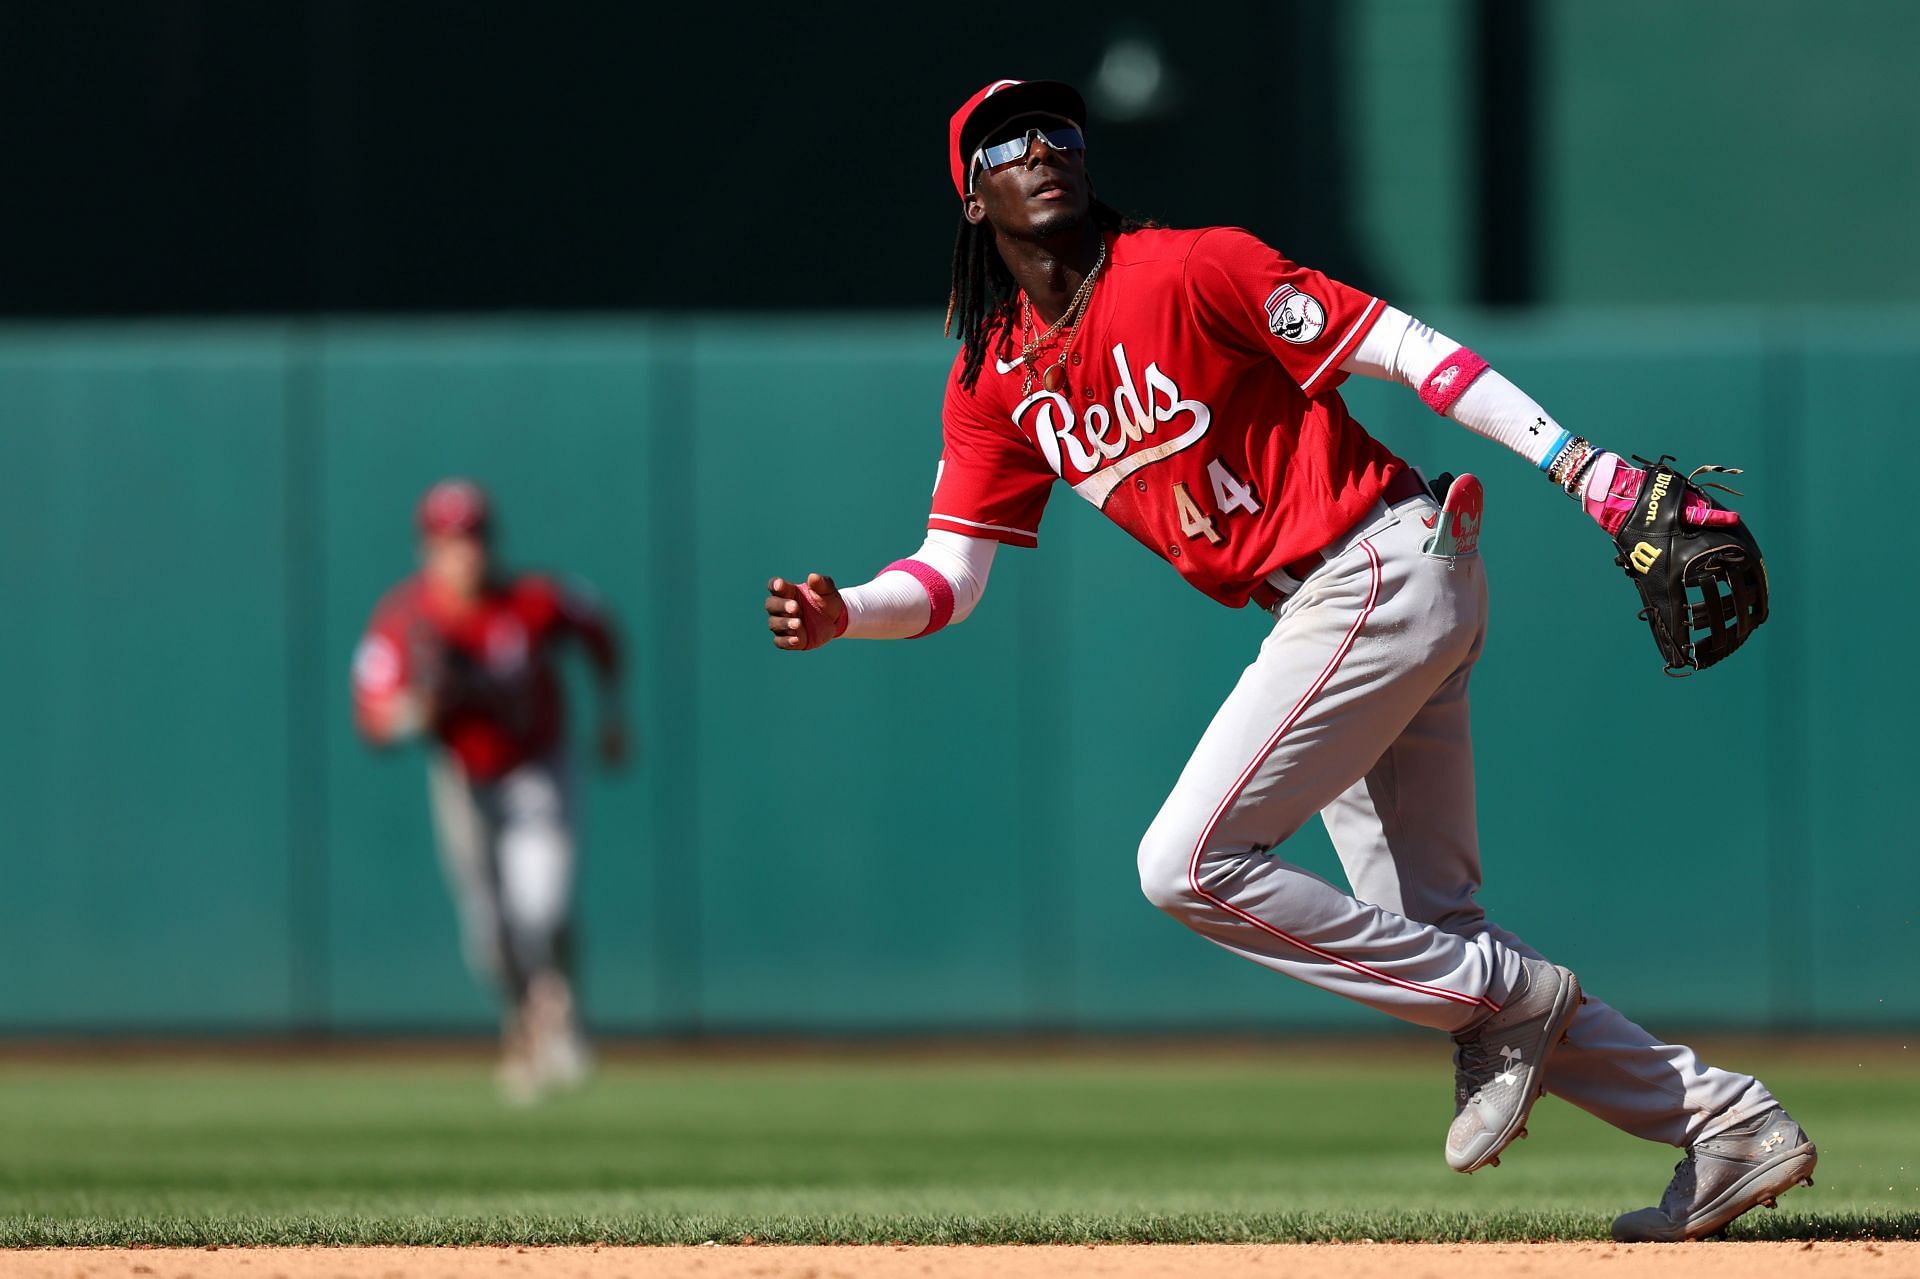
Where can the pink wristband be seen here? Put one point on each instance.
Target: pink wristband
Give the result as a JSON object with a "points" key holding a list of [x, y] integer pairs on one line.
{"points": [[1450, 380], [939, 592]]}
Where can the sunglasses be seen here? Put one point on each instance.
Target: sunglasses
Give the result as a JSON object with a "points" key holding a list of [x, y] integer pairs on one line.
{"points": [[1058, 137]]}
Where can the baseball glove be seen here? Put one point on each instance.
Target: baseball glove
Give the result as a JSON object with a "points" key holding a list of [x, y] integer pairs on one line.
{"points": [[1695, 564]]}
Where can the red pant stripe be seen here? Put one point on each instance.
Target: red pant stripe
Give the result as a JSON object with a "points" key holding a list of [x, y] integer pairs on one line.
{"points": [[1246, 775]]}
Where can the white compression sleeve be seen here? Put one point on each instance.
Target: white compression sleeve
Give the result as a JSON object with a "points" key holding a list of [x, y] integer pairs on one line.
{"points": [[1457, 383], [936, 586]]}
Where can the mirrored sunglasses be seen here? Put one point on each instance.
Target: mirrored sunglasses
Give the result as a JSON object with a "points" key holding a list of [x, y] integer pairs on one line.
{"points": [[1059, 137]]}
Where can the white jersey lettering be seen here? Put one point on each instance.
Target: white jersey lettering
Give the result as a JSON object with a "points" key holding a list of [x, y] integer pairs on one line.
{"points": [[1096, 450]]}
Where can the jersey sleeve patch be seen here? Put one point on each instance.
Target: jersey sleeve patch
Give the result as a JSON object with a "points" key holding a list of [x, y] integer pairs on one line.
{"points": [[1249, 296], [1293, 316]]}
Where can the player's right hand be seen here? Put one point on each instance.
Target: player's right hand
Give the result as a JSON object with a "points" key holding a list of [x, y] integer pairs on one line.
{"points": [[805, 615]]}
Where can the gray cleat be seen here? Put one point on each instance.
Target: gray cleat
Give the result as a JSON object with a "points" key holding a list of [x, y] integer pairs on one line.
{"points": [[1722, 1177], [1497, 1066]]}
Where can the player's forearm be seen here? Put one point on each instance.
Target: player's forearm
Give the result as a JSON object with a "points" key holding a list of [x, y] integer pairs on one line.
{"points": [[603, 655], [609, 697], [1456, 383], [602, 642], [391, 718], [937, 586], [595, 631]]}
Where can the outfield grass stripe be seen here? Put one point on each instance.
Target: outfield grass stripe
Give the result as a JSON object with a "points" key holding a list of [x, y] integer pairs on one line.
{"points": [[870, 1152]]}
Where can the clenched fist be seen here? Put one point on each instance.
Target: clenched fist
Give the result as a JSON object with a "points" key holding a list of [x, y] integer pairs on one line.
{"points": [[805, 616]]}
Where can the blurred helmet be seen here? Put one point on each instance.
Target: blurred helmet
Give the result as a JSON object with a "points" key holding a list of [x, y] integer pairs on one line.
{"points": [[454, 506]]}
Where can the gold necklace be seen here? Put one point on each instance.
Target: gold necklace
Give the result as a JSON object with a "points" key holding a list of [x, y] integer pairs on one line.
{"points": [[1030, 345]]}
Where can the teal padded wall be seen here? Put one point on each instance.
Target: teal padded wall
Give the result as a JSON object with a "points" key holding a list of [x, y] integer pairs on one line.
{"points": [[1736, 150], [143, 565], [1748, 151], [939, 835]]}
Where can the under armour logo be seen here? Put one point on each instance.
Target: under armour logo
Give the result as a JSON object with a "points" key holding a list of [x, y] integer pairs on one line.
{"points": [[1512, 1058], [1537, 424], [1774, 1138]]}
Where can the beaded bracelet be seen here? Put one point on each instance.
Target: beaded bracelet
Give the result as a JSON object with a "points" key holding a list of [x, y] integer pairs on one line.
{"points": [[1574, 483], [1576, 466], [1575, 450]]}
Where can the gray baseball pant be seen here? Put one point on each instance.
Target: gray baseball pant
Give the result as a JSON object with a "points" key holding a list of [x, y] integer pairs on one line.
{"points": [[1356, 709], [507, 849]]}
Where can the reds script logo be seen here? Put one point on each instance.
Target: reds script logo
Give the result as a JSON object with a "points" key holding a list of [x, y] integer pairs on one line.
{"points": [[1102, 447]]}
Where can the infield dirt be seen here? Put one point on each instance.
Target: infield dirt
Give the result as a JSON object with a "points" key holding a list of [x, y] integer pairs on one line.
{"points": [[1110, 1261]]}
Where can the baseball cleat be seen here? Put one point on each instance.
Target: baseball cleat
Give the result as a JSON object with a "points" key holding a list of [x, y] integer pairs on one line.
{"points": [[1498, 1066], [561, 1058], [518, 1074], [565, 1059], [1748, 1165]]}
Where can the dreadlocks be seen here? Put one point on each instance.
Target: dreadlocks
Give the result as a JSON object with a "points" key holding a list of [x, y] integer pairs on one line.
{"points": [[983, 289]]}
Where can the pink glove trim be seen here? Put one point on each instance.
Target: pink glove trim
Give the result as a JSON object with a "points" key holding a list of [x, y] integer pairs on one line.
{"points": [[1450, 380], [1599, 489], [939, 592], [1613, 488]]}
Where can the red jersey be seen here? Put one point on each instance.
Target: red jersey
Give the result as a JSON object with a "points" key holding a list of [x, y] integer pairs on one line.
{"points": [[488, 668], [1198, 412]]}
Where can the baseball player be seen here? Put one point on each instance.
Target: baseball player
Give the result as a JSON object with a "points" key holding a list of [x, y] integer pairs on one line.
{"points": [[1185, 382], [465, 653]]}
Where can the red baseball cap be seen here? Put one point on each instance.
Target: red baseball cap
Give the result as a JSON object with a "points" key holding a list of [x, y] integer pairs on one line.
{"points": [[998, 103], [454, 506]]}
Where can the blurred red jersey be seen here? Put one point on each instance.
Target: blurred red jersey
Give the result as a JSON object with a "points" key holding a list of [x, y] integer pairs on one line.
{"points": [[486, 669]]}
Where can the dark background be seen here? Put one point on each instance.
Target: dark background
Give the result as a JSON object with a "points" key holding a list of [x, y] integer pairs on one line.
{"points": [[222, 156]]}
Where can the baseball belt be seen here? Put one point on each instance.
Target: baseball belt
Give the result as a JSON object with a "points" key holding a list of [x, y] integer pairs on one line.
{"points": [[1269, 594]]}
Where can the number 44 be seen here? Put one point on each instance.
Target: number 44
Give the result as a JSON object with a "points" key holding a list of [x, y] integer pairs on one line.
{"points": [[1229, 495]]}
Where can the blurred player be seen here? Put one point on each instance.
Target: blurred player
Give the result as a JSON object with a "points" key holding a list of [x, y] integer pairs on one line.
{"points": [[463, 651]]}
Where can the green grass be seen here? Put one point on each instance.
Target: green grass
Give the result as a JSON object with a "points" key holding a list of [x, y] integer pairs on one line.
{"points": [[1237, 1147]]}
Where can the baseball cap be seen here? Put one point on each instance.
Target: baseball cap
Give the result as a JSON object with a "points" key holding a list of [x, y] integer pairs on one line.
{"points": [[998, 103], [454, 506]]}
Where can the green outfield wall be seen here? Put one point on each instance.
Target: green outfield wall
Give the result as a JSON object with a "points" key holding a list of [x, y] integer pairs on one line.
{"points": [[196, 519], [1748, 151]]}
